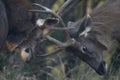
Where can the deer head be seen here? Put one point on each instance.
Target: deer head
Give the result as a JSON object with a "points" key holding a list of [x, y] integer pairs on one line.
{"points": [[88, 48], [37, 35]]}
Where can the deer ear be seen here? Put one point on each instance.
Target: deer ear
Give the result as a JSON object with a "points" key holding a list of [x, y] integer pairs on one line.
{"points": [[85, 26]]}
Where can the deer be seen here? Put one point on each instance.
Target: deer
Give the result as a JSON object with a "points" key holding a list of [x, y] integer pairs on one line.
{"points": [[96, 31], [90, 36], [13, 27], [18, 27]]}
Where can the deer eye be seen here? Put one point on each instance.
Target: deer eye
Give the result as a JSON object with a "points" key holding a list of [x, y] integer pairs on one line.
{"points": [[27, 50], [84, 49]]}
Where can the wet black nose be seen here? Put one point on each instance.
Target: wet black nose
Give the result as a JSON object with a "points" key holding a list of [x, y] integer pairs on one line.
{"points": [[101, 69]]}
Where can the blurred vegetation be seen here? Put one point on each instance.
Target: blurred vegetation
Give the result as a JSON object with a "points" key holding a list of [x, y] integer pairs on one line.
{"points": [[63, 66]]}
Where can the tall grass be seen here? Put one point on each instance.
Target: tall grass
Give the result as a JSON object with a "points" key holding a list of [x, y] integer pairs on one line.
{"points": [[80, 71]]}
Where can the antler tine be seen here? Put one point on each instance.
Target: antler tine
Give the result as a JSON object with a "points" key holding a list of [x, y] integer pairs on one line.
{"points": [[61, 29], [67, 6], [52, 53], [59, 43], [44, 11], [60, 11], [41, 6]]}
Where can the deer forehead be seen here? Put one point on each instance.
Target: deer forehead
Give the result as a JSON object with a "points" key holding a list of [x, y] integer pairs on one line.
{"points": [[86, 31]]}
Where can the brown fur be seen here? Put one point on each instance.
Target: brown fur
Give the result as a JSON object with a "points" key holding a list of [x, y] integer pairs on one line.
{"points": [[106, 21], [20, 21], [18, 15]]}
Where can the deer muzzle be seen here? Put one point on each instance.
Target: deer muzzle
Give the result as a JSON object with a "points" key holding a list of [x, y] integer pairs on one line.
{"points": [[102, 68]]}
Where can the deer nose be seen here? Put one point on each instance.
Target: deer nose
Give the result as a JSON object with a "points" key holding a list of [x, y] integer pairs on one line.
{"points": [[102, 68]]}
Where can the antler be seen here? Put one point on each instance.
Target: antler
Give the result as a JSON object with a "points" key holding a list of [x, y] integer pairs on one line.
{"points": [[59, 14], [61, 45], [47, 10]]}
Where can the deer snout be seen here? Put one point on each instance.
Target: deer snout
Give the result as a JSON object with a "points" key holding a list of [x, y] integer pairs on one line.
{"points": [[102, 68]]}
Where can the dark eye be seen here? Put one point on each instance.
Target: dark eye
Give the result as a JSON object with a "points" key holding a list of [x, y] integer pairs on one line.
{"points": [[27, 50], [84, 49]]}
